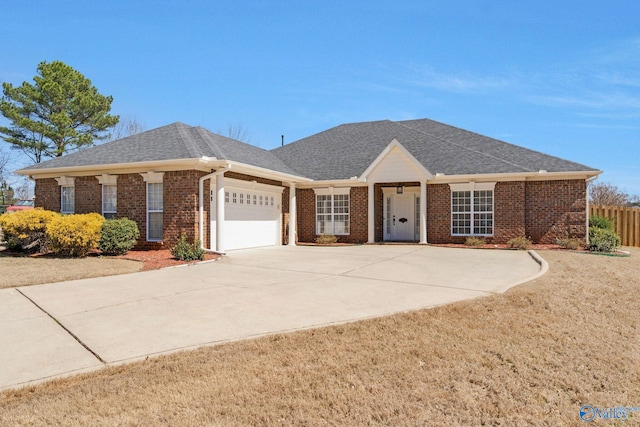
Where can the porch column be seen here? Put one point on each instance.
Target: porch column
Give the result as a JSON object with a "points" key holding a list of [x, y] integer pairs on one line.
{"points": [[423, 212], [292, 214], [220, 213], [371, 226]]}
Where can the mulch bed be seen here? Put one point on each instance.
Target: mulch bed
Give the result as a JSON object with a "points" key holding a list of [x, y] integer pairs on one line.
{"points": [[157, 259]]}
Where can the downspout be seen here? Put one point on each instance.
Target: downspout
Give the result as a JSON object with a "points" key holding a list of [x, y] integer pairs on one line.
{"points": [[201, 204]]}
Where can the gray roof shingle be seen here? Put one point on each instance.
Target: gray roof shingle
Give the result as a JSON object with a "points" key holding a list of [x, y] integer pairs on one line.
{"points": [[347, 150], [338, 153], [170, 142]]}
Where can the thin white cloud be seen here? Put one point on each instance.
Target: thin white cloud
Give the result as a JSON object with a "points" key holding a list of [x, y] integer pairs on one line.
{"points": [[427, 76]]}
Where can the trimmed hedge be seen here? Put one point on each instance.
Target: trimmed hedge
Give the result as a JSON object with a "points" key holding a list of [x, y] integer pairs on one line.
{"points": [[118, 236]]}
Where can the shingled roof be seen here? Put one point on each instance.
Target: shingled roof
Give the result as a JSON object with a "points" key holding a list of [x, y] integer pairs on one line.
{"points": [[347, 150], [171, 142], [342, 152]]}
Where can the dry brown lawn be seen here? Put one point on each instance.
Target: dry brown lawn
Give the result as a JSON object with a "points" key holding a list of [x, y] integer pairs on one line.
{"points": [[26, 270], [531, 356]]}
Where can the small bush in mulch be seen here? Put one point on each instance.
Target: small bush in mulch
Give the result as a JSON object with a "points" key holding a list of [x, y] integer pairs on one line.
{"points": [[474, 241], [571, 243], [326, 239], [519, 243], [118, 236], [185, 251]]}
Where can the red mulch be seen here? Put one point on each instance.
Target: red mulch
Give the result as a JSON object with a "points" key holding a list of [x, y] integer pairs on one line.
{"points": [[156, 259]]}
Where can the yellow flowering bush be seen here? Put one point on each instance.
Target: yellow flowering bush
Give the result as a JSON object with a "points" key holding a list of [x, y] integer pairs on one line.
{"points": [[25, 230], [75, 235]]}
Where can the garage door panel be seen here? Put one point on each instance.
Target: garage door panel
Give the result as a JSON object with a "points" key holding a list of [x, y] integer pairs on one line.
{"points": [[252, 215]]}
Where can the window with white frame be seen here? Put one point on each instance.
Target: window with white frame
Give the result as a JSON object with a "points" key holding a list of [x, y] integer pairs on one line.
{"points": [[67, 200], [154, 211], [332, 211], [109, 201], [472, 209]]}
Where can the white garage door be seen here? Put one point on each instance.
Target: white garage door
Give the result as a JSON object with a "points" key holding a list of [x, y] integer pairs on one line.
{"points": [[252, 214]]}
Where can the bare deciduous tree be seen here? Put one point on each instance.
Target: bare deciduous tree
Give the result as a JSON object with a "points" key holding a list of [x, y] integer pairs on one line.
{"points": [[607, 194], [126, 127], [237, 131]]}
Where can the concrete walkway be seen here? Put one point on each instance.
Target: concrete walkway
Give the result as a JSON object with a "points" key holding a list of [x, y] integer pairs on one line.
{"points": [[62, 328]]}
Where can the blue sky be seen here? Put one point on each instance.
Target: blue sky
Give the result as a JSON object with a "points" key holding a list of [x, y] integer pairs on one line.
{"points": [[562, 77]]}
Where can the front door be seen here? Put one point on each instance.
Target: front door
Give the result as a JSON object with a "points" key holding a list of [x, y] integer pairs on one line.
{"points": [[399, 218]]}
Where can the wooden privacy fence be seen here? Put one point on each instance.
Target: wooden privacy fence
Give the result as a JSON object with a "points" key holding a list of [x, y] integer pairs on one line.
{"points": [[626, 220]]}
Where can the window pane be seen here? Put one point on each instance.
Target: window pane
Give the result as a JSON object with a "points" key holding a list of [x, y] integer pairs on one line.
{"points": [[155, 226], [154, 211], [109, 199], [67, 203], [154, 196]]}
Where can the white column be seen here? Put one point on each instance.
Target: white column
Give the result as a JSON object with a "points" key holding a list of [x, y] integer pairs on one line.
{"points": [[423, 212], [292, 214], [220, 213], [371, 226]]}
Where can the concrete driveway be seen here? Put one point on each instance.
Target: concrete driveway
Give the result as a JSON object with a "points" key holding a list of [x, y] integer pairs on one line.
{"points": [[62, 328]]}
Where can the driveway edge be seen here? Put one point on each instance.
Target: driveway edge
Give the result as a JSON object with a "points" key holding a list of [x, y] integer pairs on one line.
{"points": [[544, 267]]}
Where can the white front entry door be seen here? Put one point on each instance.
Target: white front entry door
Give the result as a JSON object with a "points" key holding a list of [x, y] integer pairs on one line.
{"points": [[400, 216]]}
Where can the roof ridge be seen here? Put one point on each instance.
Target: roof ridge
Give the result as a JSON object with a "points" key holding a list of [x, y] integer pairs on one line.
{"points": [[462, 146], [187, 140]]}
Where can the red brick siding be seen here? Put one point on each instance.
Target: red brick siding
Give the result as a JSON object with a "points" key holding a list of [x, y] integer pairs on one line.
{"points": [[439, 214], [508, 211], [306, 215], [555, 209], [88, 195], [47, 193]]}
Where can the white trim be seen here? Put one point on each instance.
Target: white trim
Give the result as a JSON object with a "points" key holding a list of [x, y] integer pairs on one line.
{"points": [[396, 144], [293, 211], [152, 177], [107, 179], [473, 186], [66, 181], [371, 220], [252, 185], [423, 213], [331, 191]]}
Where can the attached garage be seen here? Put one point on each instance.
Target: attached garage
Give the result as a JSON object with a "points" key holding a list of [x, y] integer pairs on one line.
{"points": [[252, 214]]}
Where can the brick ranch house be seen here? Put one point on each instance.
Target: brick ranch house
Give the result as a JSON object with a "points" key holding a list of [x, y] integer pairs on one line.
{"points": [[413, 181]]}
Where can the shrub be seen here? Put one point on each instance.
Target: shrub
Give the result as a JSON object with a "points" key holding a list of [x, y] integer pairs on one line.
{"points": [[519, 243], [75, 235], [571, 243], [603, 240], [601, 222], [118, 236], [26, 230], [326, 239], [474, 241], [187, 252]]}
